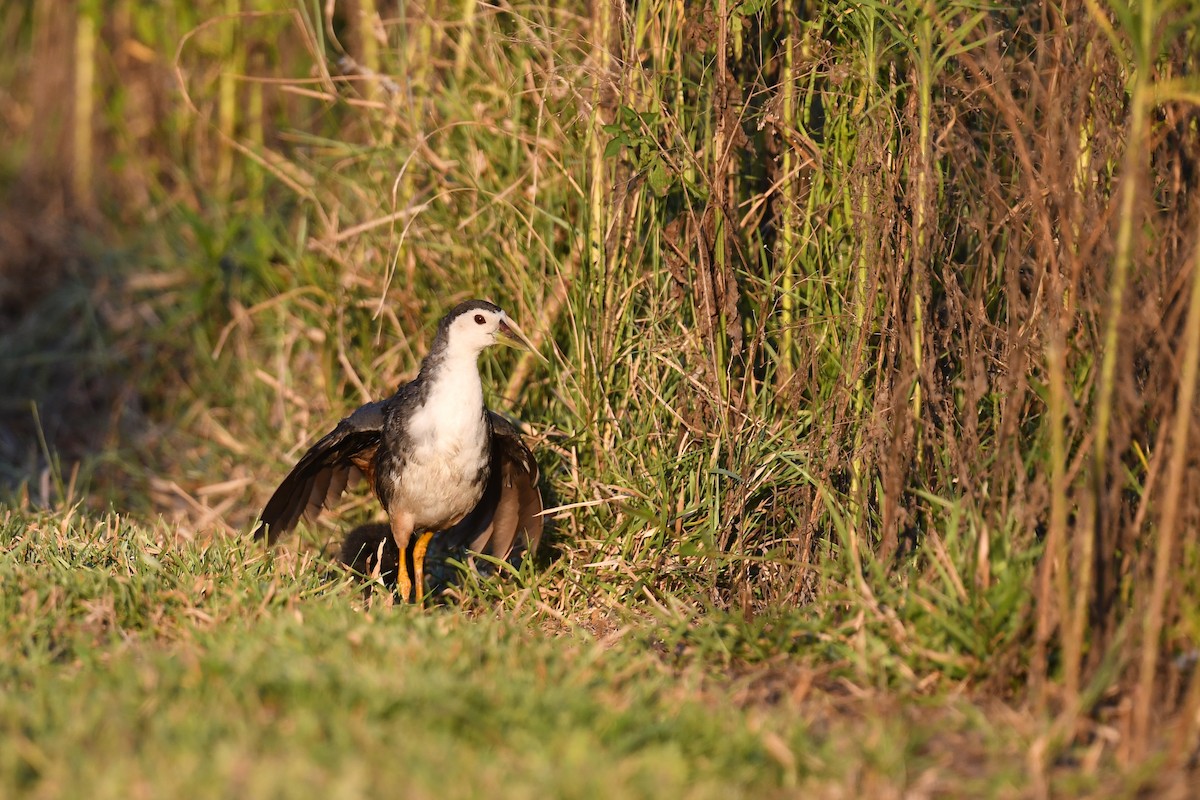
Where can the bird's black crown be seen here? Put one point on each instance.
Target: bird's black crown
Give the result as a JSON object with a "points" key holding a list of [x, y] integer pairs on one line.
{"points": [[466, 307]]}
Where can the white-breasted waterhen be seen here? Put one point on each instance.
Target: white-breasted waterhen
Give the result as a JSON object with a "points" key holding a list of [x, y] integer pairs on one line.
{"points": [[438, 460]]}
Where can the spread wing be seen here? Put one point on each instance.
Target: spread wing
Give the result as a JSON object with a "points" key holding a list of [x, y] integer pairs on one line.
{"points": [[506, 523], [322, 473]]}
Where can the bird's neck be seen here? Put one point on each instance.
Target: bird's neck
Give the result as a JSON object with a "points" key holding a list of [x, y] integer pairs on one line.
{"points": [[454, 385]]}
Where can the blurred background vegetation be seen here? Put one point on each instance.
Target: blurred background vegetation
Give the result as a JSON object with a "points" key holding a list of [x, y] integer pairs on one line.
{"points": [[873, 326]]}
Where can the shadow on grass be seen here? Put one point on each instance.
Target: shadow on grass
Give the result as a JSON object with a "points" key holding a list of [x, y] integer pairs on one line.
{"points": [[69, 393]]}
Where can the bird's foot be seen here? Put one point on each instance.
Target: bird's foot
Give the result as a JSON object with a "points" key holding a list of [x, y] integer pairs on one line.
{"points": [[419, 548], [410, 586]]}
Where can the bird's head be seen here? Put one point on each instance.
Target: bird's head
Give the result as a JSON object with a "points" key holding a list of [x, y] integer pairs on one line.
{"points": [[472, 326]]}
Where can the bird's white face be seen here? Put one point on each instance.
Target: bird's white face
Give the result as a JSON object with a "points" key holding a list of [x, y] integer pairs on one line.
{"points": [[477, 329]]}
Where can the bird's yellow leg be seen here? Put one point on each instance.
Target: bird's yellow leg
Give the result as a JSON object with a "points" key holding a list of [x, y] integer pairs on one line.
{"points": [[419, 565], [402, 526], [403, 582]]}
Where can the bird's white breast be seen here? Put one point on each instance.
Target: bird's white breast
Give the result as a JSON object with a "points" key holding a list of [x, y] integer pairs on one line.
{"points": [[448, 450]]}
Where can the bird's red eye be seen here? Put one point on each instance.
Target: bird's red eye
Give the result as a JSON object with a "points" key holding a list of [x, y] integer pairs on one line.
{"points": [[479, 320]]}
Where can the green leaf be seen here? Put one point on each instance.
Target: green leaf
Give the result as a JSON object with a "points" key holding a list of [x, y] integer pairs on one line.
{"points": [[614, 145]]}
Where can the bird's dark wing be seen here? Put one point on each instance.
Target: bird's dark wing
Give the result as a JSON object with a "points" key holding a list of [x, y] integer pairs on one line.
{"points": [[506, 524], [322, 473]]}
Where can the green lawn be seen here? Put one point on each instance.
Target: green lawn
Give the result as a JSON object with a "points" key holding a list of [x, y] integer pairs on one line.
{"points": [[135, 664]]}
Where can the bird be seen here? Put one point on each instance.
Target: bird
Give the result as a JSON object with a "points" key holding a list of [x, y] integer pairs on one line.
{"points": [[506, 525], [437, 459]]}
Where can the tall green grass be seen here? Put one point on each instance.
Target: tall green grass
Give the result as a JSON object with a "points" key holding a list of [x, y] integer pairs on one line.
{"points": [[882, 312]]}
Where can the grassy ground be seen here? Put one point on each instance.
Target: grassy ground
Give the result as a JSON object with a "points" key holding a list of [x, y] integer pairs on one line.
{"points": [[873, 331], [136, 665]]}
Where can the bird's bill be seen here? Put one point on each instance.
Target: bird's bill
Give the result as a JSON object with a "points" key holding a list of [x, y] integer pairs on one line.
{"points": [[511, 334]]}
